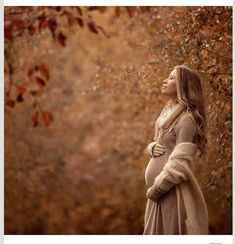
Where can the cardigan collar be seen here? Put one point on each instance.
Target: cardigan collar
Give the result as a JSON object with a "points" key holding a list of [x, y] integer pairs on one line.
{"points": [[174, 114]]}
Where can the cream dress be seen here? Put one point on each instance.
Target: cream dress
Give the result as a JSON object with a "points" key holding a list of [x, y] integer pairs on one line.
{"points": [[161, 217]]}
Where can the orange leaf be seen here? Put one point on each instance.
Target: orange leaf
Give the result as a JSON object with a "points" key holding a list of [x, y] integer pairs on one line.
{"points": [[144, 8], [40, 82], [30, 72], [46, 117], [92, 27], [44, 71], [18, 23], [79, 10], [43, 23], [58, 8], [35, 116], [21, 88], [19, 98], [8, 31], [102, 9], [92, 8], [80, 21], [31, 29], [10, 103], [117, 11], [33, 92], [130, 10], [52, 25], [71, 19], [61, 38]]}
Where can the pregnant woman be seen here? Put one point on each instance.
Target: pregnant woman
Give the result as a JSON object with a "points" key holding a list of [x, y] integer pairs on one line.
{"points": [[175, 203]]}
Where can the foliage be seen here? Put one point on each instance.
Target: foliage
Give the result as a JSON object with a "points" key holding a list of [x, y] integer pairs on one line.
{"points": [[21, 22], [84, 174]]}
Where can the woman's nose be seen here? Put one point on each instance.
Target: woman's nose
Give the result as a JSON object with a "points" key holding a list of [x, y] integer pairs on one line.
{"points": [[164, 82]]}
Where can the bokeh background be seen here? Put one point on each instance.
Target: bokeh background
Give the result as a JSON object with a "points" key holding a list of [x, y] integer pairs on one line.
{"points": [[82, 93]]}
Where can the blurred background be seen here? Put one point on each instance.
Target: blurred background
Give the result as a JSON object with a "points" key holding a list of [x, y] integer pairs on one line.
{"points": [[82, 93]]}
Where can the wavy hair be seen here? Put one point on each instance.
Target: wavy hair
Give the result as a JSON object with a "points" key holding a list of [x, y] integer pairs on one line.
{"points": [[190, 94]]}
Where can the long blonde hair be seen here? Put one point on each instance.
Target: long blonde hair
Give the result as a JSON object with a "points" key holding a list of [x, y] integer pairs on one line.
{"points": [[190, 94]]}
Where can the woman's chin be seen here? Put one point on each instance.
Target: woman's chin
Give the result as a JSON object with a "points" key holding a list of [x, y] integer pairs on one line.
{"points": [[164, 93]]}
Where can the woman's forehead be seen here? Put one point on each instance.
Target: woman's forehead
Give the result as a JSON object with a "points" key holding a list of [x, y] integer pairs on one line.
{"points": [[173, 72]]}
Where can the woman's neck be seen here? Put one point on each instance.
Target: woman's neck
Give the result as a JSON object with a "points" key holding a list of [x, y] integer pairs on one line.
{"points": [[173, 102]]}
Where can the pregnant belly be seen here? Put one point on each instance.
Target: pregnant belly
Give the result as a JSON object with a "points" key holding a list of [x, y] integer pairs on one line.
{"points": [[154, 168]]}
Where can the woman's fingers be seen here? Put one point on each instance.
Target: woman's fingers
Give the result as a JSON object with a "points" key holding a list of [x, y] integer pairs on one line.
{"points": [[159, 146], [157, 153], [158, 150]]}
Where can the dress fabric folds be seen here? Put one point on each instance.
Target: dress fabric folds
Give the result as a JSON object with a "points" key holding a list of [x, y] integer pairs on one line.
{"points": [[168, 215]]}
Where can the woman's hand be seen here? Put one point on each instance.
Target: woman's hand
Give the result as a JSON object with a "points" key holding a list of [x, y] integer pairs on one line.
{"points": [[154, 193], [155, 149], [158, 150]]}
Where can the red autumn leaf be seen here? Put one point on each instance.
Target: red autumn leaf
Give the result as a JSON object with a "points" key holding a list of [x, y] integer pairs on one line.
{"points": [[40, 82], [30, 72], [46, 117], [8, 32], [20, 32], [7, 94], [71, 19], [43, 23], [130, 10], [79, 10], [33, 92], [92, 8], [19, 98], [44, 71], [21, 88], [92, 27], [61, 39], [102, 9], [117, 11], [31, 29], [80, 21], [18, 23], [58, 8], [35, 117], [52, 25], [10, 103], [144, 8]]}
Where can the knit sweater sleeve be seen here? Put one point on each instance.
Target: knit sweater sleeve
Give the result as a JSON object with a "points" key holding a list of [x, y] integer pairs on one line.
{"points": [[174, 171]]}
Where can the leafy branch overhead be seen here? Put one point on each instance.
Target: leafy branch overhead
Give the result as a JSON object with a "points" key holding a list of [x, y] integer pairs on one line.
{"points": [[24, 22]]}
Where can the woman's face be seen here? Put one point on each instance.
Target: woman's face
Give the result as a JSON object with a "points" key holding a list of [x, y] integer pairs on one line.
{"points": [[169, 85]]}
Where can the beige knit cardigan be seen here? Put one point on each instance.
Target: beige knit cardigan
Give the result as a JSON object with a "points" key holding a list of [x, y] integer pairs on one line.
{"points": [[177, 171]]}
